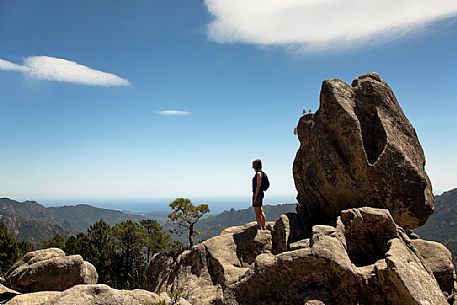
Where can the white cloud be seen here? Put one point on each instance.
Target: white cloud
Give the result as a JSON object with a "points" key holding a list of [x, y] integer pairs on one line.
{"points": [[320, 23], [62, 70], [9, 66], [174, 113]]}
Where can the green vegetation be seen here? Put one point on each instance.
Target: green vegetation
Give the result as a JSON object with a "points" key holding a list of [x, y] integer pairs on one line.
{"points": [[10, 249], [157, 240], [129, 239], [186, 215], [175, 296], [120, 253]]}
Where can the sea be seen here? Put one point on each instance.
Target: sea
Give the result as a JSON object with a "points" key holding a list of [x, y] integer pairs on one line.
{"points": [[146, 205]]}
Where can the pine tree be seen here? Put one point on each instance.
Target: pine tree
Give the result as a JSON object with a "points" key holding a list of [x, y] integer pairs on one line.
{"points": [[186, 215], [57, 241], [129, 241], [9, 250], [101, 249], [158, 240]]}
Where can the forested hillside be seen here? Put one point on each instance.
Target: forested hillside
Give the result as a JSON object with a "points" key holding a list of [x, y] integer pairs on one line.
{"points": [[35, 223]]}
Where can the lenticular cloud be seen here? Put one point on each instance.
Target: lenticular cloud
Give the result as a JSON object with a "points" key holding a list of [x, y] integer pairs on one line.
{"points": [[320, 22], [62, 70], [174, 113]]}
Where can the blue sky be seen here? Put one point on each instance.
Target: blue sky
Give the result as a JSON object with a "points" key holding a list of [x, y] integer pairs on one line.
{"points": [[83, 87]]}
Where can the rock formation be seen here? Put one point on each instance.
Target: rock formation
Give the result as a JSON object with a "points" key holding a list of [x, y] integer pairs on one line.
{"points": [[48, 277], [92, 294], [362, 188], [357, 150], [365, 259], [50, 269], [6, 294]]}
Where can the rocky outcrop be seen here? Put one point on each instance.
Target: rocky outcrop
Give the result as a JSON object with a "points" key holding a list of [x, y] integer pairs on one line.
{"points": [[362, 188], [365, 259], [357, 150], [92, 294], [207, 268], [48, 277], [50, 270]]}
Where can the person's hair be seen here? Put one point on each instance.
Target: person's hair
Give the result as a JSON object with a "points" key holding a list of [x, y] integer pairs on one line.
{"points": [[257, 164]]}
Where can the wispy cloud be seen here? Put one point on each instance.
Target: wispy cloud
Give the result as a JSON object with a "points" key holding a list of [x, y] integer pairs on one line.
{"points": [[320, 23], [174, 113], [62, 70]]}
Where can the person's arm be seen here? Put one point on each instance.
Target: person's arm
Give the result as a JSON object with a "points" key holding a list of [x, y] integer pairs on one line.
{"points": [[258, 185]]}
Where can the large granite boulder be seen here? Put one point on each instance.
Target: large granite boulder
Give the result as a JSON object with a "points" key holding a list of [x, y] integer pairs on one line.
{"points": [[49, 270], [93, 294], [357, 150], [365, 259], [438, 259], [204, 271]]}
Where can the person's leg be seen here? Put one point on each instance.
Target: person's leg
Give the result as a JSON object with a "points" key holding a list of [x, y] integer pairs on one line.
{"points": [[258, 216], [262, 219]]}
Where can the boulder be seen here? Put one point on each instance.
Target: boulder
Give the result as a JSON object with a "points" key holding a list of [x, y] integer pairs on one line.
{"points": [[50, 270], [36, 256], [203, 271], [6, 294], [358, 150], [439, 261], [93, 294], [364, 259], [36, 298]]}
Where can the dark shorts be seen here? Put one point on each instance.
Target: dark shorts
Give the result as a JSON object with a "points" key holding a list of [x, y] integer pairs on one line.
{"points": [[259, 201]]}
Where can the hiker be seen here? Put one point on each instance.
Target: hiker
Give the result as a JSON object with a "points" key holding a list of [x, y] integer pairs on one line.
{"points": [[260, 184]]}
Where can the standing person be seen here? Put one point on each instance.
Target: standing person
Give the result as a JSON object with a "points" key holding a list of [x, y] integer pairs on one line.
{"points": [[260, 184]]}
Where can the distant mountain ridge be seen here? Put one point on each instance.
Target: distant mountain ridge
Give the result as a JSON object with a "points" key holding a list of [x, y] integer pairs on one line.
{"points": [[35, 223], [31, 221]]}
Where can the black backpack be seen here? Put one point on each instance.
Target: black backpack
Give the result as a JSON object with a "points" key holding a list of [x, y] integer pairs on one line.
{"points": [[265, 182]]}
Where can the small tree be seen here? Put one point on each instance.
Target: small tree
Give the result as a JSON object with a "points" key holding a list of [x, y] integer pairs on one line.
{"points": [[186, 215]]}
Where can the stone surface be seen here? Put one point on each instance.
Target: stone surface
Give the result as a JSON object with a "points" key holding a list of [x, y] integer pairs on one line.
{"points": [[304, 243], [439, 261], [50, 270], [6, 294], [357, 150], [4, 289], [285, 231], [92, 294], [207, 268], [365, 259], [36, 298], [36, 256]]}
